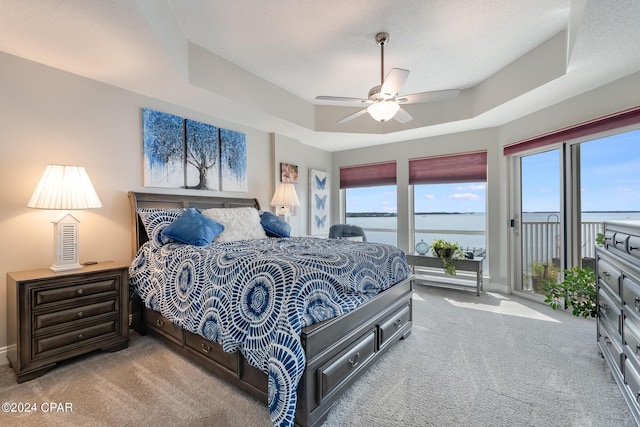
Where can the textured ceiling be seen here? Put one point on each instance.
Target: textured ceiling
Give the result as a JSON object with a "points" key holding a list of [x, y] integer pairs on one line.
{"points": [[309, 48]]}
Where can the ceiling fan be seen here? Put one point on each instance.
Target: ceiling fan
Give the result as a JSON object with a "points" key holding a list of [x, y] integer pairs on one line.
{"points": [[384, 101]]}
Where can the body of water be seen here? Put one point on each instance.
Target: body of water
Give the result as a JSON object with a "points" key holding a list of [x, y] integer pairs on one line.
{"points": [[466, 222]]}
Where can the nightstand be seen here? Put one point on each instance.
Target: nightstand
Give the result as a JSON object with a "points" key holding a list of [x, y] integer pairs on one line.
{"points": [[55, 316]]}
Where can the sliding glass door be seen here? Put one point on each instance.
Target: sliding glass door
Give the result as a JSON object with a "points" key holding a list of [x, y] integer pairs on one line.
{"points": [[562, 196], [541, 214]]}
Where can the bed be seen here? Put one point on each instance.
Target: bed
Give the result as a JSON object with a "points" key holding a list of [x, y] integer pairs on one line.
{"points": [[331, 314]]}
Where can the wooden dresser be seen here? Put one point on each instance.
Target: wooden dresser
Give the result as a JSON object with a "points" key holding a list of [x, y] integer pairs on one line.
{"points": [[54, 316], [618, 293]]}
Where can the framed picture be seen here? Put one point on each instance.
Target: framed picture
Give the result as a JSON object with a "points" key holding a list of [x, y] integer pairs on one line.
{"points": [[288, 173], [319, 202], [184, 153], [163, 146], [233, 160], [203, 156]]}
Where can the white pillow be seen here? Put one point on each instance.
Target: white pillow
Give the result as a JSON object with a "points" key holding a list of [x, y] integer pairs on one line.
{"points": [[239, 223]]}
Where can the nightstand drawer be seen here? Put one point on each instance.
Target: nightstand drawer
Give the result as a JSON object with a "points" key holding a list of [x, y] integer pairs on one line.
{"points": [[47, 295], [54, 316], [41, 321], [43, 345]]}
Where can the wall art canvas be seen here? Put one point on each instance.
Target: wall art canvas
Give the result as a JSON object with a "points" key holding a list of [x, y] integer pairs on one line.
{"points": [[202, 156], [319, 203], [288, 173], [233, 160], [163, 146]]}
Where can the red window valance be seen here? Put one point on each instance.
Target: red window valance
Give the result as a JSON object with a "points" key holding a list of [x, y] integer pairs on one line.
{"points": [[368, 175], [467, 167], [591, 127]]}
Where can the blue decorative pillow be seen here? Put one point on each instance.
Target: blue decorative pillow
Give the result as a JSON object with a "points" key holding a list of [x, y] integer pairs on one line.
{"points": [[156, 220], [193, 228], [274, 226]]}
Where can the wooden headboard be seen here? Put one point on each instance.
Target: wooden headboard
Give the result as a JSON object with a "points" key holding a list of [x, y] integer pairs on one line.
{"points": [[168, 201]]}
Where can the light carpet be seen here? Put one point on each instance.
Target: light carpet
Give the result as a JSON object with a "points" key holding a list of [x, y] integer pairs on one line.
{"points": [[493, 360]]}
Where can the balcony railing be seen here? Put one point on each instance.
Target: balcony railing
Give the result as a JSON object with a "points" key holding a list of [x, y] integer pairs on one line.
{"points": [[541, 241]]}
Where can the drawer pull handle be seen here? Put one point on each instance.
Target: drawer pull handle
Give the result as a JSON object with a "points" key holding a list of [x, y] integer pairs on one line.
{"points": [[160, 323], [604, 308], [205, 348], [397, 323], [80, 336], [633, 248], [637, 349], [607, 341], [80, 314], [605, 274], [80, 291], [354, 362], [636, 303], [618, 242]]}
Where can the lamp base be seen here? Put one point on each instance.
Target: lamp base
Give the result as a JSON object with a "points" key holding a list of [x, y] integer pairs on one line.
{"points": [[285, 214], [67, 267]]}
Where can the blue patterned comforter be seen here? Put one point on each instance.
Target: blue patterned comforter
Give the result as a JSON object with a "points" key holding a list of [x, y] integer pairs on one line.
{"points": [[255, 296]]}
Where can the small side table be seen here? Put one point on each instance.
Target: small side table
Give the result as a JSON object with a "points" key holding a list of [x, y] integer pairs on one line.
{"points": [[462, 264], [55, 316]]}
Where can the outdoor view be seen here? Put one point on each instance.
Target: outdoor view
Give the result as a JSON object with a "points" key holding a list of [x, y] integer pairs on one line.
{"points": [[610, 190]]}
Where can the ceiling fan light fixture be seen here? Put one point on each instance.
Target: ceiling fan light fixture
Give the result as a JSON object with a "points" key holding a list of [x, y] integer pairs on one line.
{"points": [[383, 111]]}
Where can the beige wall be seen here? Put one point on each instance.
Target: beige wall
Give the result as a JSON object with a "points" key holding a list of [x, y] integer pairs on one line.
{"points": [[50, 116], [288, 150]]}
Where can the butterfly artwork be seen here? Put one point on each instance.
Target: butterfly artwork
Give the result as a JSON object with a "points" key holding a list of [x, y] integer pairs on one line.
{"points": [[319, 202], [320, 183]]}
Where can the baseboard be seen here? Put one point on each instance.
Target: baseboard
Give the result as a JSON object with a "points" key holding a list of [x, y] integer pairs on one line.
{"points": [[497, 287], [3, 355]]}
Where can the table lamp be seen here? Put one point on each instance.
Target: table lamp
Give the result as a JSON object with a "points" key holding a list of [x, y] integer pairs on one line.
{"points": [[65, 188], [286, 197]]}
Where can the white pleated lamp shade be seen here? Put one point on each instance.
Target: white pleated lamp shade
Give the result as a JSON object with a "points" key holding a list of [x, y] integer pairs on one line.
{"points": [[64, 187], [285, 195]]}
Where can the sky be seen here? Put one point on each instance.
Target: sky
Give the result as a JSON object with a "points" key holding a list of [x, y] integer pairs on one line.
{"points": [[610, 181]]}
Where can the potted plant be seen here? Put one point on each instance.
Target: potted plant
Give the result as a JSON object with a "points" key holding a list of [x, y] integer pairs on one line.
{"points": [[540, 272], [446, 251], [577, 290]]}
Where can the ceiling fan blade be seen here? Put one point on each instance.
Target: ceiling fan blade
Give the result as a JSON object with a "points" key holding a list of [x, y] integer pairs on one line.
{"points": [[402, 116], [436, 95], [394, 82], [352, 116], [341, 98]]}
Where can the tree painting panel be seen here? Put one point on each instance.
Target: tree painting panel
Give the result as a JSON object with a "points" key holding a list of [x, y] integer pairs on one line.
{"points": [[233, 160], [203, 158], [163, 146], [319, 208]]}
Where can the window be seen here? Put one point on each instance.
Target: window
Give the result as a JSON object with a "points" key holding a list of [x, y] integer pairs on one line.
{"points": [[371, 200], [454, 212], [375, 210], [568, 183], [449, 199]]}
